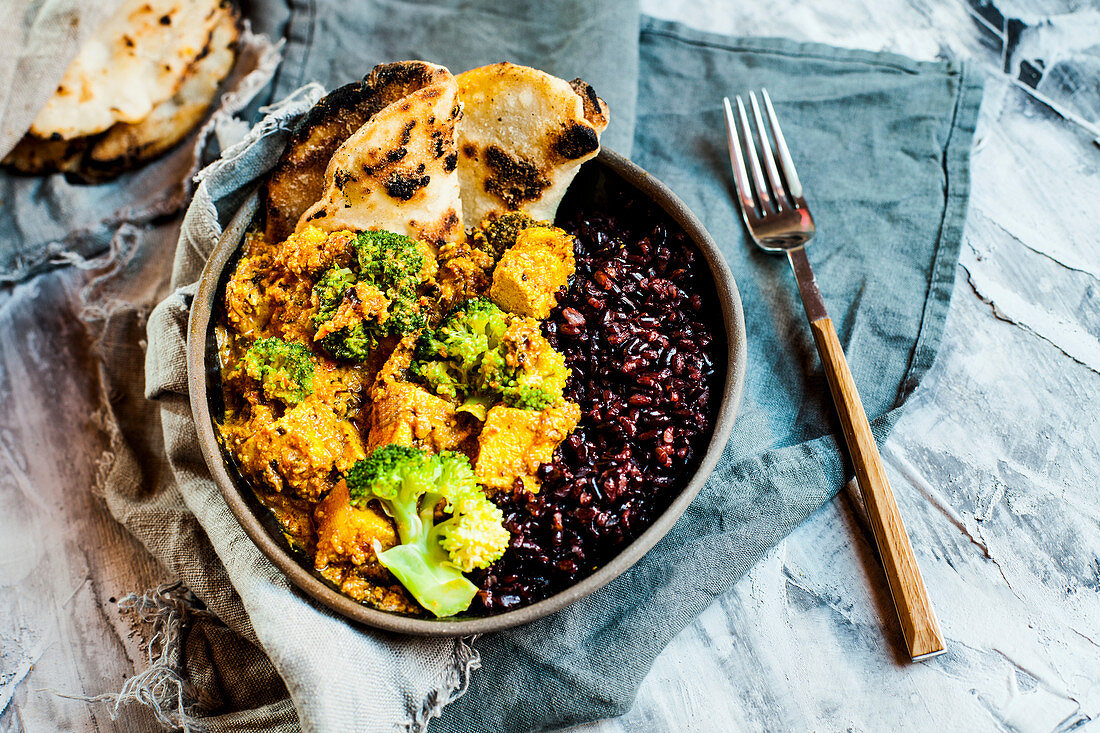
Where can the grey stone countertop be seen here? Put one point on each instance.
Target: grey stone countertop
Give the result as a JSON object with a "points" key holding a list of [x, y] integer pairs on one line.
{"points": [[996, 462]]}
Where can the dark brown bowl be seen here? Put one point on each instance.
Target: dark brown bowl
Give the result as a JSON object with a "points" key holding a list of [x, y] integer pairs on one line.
{"points": [[204, 381]]}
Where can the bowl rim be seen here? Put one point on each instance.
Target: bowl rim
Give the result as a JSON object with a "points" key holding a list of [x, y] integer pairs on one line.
{"points": [[733, 322]]}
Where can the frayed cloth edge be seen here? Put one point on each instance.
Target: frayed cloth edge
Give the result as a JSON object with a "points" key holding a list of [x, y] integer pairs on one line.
{"points": [[161, 687], [453, 684]]}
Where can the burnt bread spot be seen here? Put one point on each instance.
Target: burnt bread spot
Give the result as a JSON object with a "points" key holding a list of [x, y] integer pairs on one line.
{"points": [[450, 162], [576, 141], [431, 93], [595, 109], [438, 144], [403, 186], [406, 134], [203, 53], [585, 91], [512, 180], [341, 178], [397, 154], [470, 150], [420, 168], [319, 214], [401, 74], [443, 231], [450, 221]]}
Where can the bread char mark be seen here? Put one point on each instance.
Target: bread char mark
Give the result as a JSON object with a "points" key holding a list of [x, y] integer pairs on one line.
{"points": [[513, 180]]}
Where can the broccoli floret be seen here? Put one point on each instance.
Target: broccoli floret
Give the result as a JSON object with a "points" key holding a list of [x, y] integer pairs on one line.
{"points": [[393, 266], [475, 536], [330, 290], [351, 343], [405, 315], [494, 236], [391, 262], [480, 355], [411, 485], [283, 369]]}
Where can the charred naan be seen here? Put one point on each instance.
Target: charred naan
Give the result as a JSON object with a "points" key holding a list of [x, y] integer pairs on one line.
{"points": [[136, 60], [298, 180], [522, 139], [397, 171], [126, 144]]}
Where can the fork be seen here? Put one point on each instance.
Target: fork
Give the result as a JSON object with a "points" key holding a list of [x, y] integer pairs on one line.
{"points": [[779, 221]]}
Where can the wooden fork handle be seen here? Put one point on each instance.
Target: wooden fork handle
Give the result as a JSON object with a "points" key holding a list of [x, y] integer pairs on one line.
{"points": [[918, 621]]}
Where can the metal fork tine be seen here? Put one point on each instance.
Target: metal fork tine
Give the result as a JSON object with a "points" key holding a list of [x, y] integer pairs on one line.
{"points": [[766, 153], [785, 159], [754, 162], [740, 175]]}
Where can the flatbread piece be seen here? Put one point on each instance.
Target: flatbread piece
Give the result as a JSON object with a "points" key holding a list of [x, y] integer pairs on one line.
{"points": [[397, 172], [136, 60], [298, 179], [522, 139]]}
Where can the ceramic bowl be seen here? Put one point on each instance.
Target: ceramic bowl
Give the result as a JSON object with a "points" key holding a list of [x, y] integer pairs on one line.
{"points": [[204, 381]]}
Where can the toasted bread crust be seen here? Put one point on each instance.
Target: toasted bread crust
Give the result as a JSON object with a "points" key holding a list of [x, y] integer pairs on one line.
{"points": [[595, 109], [397, 171], [524, 136], [298, 179]]}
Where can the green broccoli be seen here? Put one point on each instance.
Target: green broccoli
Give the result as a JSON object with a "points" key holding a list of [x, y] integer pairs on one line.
{"points": [[393, 264], [283, 369], [481, 355], [497, 235], [330, 289], [411, 485]]}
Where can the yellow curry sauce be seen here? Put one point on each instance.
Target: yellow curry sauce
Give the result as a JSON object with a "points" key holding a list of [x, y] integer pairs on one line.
{"points": [[295, 455]]}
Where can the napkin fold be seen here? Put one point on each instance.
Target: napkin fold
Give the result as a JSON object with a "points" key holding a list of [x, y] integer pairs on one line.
{"points": [[882, 145]]}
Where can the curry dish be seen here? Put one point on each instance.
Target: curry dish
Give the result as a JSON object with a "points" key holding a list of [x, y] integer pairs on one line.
{"points": [[449, 404], [326, 357]]}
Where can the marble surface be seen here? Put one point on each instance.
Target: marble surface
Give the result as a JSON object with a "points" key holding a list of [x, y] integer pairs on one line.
{"points": [[995, 463]]}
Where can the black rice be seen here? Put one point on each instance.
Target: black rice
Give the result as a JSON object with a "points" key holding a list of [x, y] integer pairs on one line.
{"points": [[637, 331]]}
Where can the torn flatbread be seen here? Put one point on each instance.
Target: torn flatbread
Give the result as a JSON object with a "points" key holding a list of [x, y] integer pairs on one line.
{"points": [[397, 172], [298, 179], [134, 61], [127, 144], [522, 139]]}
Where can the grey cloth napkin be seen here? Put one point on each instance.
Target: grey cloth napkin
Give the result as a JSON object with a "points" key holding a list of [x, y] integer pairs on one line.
{"points": [[882, 143]]}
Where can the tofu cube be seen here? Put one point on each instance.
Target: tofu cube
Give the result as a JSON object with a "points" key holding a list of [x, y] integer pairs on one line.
{"points": [[514, 443], [529, 274]]}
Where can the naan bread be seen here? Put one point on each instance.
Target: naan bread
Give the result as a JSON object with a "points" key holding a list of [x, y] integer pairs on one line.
{"points": [[522, 139], [298, 180], [126, 145], [136, 60], [35, 156], [397, 172]]}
